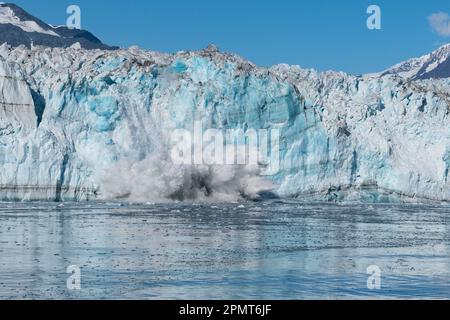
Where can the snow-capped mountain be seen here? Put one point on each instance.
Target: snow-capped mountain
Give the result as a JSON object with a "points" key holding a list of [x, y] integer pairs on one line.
{"points": [[435, 65], [17, 27]]}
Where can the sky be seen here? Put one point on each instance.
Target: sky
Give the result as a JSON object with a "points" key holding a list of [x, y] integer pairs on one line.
{"points": [[319, 34]]}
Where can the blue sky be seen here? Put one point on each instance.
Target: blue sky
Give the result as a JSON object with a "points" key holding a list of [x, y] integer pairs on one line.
{"points": [[321, 34]]}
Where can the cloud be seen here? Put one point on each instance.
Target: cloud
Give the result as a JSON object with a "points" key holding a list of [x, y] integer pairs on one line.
{"points": [[440, 23]]}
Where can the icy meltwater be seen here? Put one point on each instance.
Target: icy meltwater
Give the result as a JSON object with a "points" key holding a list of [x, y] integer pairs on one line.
{"points": [[272, 250]]}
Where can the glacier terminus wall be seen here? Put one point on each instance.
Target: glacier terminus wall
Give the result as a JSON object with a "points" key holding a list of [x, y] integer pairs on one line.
{"points": [[95, 125]]}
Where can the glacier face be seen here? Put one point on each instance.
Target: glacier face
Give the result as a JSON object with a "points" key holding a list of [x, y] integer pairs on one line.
{"points": [[85, 125]]}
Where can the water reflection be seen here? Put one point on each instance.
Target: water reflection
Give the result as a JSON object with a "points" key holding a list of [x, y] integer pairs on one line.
{"points": [[278, 250]]}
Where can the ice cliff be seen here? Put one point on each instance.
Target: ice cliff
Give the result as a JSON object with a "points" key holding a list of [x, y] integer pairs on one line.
{"points": [[90, 124]]}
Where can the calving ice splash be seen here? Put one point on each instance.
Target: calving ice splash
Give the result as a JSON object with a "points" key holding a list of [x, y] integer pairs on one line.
{"points": [[257, 148]]}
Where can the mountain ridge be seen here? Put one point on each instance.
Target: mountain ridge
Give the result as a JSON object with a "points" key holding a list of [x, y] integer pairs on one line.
{"points": [[434, 65], [18, 27]]}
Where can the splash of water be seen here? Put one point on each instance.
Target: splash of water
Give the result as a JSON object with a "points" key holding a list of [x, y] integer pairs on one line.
{"points": [[157, 179]]}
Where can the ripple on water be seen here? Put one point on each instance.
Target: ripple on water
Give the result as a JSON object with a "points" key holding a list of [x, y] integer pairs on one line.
{"points": [[270, 250]]}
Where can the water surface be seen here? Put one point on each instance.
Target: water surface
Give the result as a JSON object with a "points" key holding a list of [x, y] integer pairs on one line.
{"points": [[270, 250]]}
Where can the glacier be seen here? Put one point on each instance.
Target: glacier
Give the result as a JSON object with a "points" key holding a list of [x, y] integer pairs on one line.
{"points": [[79, 125]]}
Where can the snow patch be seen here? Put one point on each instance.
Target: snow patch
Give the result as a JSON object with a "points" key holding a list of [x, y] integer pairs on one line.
{"points": [[7, 16]]}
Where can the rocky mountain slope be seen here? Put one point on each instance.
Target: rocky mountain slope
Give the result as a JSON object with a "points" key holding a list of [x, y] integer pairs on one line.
{"points": [[17, 27], [435, 65]]}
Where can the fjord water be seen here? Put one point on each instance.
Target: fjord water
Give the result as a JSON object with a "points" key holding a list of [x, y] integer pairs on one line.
{"points": [[266, 250]]}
